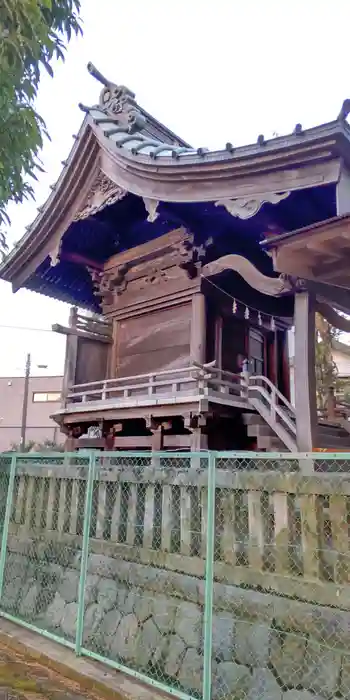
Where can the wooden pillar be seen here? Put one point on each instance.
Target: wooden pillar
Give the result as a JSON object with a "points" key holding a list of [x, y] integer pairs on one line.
{"points": [[304, 372], [198, 329], [343, 192], [71, 357], [199, 440]]}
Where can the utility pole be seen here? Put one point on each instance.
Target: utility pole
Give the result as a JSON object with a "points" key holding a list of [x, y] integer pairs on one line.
{"points": [[25, 404]]}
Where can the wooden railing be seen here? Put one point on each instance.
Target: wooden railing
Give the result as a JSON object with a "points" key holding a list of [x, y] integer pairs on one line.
{"points": [[168, 386], [276, 410], [273, 531]]}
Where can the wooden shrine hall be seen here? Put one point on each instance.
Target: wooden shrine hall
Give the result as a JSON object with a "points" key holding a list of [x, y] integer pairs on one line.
{"points": [[167, 255]]}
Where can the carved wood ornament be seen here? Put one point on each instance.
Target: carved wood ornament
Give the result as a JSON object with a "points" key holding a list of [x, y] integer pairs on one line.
{"points": [[272, 286], [149, 267], [151, 206], [246, 208], [103, 193]]}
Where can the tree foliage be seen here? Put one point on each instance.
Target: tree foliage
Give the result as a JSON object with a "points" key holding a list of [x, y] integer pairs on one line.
{"points": [[33, 33], [32, 446], [326, 369]]}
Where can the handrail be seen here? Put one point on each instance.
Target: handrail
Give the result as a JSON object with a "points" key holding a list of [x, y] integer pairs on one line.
{"points": [[275, 408], [120, 380], [129, 387], [280, 418], [224, 373], [193, 380], [273, 388]]}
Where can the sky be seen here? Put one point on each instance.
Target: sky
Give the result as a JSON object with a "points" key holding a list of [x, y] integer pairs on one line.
{"points": [[211, 70]]}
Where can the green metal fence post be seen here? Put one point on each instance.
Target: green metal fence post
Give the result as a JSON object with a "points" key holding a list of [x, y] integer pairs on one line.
{"points": [[5, 529], [209, 579], [85, 554]]}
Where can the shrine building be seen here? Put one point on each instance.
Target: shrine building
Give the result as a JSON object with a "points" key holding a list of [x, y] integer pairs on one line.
{"points": [[182, 293]]}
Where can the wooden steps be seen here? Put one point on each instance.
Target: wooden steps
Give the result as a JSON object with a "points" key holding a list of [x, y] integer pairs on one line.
{"points": [[330, 436]]}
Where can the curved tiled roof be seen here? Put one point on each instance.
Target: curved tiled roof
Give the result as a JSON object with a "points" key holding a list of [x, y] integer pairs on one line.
{"points": [[143, 157], [127, 126]]}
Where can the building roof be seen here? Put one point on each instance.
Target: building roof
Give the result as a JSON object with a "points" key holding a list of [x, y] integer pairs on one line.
{"points": [[341, 347], [124, 161], [319, 252], [278, 240]]}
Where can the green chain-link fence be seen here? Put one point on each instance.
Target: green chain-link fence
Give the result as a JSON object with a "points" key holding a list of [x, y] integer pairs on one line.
{"points": [[221, 576]]}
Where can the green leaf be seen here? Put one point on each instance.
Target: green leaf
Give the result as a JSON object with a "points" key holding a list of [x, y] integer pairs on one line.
{"points": [[32, 34]]}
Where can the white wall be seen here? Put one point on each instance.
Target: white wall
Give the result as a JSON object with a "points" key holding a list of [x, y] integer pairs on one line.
{"points": [[343, 363]]}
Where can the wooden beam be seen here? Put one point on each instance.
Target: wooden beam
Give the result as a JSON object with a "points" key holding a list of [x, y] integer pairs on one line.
{"points": [[336, 295], [333, 269], [65, 330], [304, 372]]}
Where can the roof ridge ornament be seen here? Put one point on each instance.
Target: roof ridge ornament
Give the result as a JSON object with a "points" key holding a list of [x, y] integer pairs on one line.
{"points": [[119, 102], [345, 111]]}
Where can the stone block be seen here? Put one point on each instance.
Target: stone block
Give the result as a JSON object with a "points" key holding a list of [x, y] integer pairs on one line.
{"points": [[143, 606], [124, 644], [69, 620], [92, 618], [252, 644], [189, 624], [231, 681], [264, 686], [322, 669], [91, 588], [68, 587], [16, 567], [256, 606], [108, 629], [122, 594], [148, 642], [129, 602], [102, 565], [164, 612], [107, 593], [55, 612], [300, 695], [345, 677], [28, 605], [12, 593], [191, 671], [185, 586], [287, 657], [176, 652], [223, 637]]}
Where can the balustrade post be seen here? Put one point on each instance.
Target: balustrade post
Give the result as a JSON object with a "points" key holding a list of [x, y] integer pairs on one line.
{"points": [[245, 375], [85, 553], [150, 385], [273, 404]]}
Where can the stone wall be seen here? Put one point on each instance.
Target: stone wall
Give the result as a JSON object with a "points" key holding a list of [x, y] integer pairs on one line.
{"points": [[264, 645]]}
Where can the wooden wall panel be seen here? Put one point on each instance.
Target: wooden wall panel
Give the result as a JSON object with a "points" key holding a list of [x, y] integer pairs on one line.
{"points": [[154, 342], [91, 361]]}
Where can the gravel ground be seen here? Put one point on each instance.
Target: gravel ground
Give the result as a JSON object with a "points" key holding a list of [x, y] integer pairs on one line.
{"points": [[24, 678]]}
